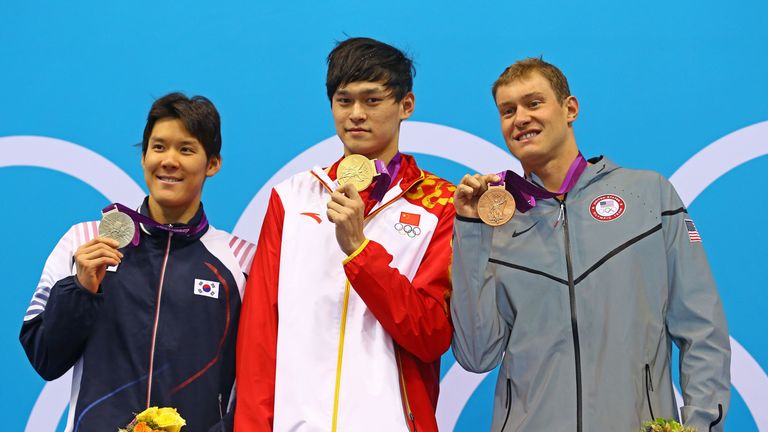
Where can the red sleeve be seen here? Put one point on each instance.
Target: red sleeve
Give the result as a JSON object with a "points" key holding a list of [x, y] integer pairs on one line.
{"points": [[414, 313], [257, 333]]}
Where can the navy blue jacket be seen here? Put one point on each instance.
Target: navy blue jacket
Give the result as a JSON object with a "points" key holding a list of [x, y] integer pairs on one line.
{"points": [[160, 331]]}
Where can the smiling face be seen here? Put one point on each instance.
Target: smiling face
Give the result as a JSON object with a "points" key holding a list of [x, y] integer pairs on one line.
{"points": [[537, 128], [367, 118], [175, 168]]}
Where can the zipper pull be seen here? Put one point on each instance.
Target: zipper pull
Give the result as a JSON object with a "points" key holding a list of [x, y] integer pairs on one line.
{"points": [[560, 215], [221, 414]]}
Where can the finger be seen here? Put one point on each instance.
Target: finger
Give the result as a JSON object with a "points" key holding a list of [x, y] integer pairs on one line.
{"points": [[339, 198], [99, 253], [332, 215], [464, 192], [491, 178], [98, 243], [473, 181], [337, 207], [346, 194], [104, 261], [351, 192], [108, 241], [99, 246]]}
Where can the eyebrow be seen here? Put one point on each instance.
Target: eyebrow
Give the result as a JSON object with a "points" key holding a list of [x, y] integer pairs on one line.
{"points": [[524, 97], [184, 141], [364, 92]]}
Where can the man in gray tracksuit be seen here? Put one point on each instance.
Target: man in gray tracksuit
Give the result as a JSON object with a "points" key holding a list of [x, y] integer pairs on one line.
{"points": [[581, 297]]}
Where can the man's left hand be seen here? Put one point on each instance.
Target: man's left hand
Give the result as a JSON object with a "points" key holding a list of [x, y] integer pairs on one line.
{"points": [[346, 209]]}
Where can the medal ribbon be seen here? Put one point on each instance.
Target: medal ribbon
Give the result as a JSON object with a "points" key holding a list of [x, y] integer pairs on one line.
{"points": [[525, 192], [386, 175], [138, 218]]}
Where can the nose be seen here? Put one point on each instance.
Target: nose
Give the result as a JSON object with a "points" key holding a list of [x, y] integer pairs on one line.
{"points": [[358, 113], [522, 118], [170, 160]]}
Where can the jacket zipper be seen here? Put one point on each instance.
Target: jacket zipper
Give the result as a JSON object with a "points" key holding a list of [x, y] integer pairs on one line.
{"points": [[337, 389], [508, 405], [574, 318], [410, 420], [649, 389], [157, 319]]}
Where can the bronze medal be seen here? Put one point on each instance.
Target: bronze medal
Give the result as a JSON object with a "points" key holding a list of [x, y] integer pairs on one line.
{"points": [[356, 169], [496, 206]]}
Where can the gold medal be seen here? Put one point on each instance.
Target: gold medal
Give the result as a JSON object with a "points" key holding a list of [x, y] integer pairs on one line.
{"points": [[496, 206], [356, 169]]}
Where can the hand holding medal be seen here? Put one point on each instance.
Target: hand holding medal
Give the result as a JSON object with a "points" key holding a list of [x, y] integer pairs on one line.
{"points": [[494, 197], [480, 196]]}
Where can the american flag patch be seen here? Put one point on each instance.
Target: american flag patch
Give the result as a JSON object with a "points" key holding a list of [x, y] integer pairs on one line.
{"points": [[693, 233]]}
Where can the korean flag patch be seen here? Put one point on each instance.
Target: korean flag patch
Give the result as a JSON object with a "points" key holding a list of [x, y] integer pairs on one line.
{"points": [[206, 288]]}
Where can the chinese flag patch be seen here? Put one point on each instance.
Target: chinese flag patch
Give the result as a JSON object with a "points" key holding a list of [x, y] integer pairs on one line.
{"points": [[409, 218]]}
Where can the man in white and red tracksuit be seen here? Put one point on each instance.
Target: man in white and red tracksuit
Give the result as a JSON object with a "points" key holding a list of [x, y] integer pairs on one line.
{"points": [[346, 315]]}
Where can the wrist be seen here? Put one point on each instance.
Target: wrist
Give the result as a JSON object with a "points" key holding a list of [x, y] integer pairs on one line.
{"points": [[355, 252]]}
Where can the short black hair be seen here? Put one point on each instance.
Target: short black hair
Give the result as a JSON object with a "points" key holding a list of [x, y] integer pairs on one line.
{"points": [[199, 115], [365, 59]]}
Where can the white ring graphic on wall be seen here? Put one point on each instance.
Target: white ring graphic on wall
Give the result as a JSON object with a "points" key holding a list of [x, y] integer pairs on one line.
{"points": [[709, 164]]}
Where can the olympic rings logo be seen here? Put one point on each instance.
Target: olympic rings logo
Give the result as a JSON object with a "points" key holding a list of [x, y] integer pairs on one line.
{"points": [[409, 230]]}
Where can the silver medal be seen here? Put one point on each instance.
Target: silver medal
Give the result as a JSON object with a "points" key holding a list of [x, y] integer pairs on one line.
{"points": [[117, 226]]}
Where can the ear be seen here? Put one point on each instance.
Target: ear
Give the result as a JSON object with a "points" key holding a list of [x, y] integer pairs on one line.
{"points": [[407, 105], [572, 109], [214, 165]]}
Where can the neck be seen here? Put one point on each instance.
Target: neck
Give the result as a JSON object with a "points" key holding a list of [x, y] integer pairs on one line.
{"points": [[553, 171], [384, 155], [167, 216]]}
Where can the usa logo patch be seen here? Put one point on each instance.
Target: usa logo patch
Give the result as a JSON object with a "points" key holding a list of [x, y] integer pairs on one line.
{"points": [[608, 207], [206, 288]]}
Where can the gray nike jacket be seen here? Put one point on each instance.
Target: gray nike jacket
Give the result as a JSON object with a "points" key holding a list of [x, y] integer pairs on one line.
{"points": [[581, 300]]}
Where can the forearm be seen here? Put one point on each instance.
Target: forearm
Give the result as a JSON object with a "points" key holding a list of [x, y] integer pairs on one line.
{"points": [[54, 340], [479, 337]]}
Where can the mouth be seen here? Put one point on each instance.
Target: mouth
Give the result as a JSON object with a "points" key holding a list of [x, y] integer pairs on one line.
{"points": [[167, 179], [526, 135], [357, 130]]}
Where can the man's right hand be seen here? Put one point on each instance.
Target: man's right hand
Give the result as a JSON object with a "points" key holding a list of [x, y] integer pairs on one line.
{"points": [[92, 260], [468, 192]]}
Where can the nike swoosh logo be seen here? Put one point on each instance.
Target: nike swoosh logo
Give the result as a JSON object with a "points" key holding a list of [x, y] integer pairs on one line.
{"points": [[516, 233], [315, 216]]}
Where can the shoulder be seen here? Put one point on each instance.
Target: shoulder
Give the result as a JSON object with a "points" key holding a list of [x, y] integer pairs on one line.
{"points": [[636, 178], [296, 181], [79, 234], [222, 242], [431, 192]]}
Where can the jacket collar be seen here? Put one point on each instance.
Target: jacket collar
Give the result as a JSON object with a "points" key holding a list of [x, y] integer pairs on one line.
{"points": [[152, 231], [598, 167]]}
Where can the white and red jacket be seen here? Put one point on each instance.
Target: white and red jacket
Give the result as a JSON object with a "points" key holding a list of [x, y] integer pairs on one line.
{"points": [[330, 342]]}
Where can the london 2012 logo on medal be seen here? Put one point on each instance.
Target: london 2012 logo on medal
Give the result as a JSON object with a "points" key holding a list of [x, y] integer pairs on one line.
{"points": [[606, 208]]}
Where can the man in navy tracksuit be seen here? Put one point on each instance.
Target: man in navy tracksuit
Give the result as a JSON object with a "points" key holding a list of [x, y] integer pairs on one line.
{"points": [[150, 324]]}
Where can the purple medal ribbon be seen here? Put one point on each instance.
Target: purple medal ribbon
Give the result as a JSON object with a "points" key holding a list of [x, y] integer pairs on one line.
{"points": [[525, 192], [386, 174], [138, 218]]}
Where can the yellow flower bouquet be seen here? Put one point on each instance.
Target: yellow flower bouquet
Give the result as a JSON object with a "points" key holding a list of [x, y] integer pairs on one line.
{"points": [[665, 425], [156, 419]]}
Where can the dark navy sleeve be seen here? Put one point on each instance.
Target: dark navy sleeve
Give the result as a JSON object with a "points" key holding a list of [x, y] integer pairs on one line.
{"points": [[54, 339]]}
